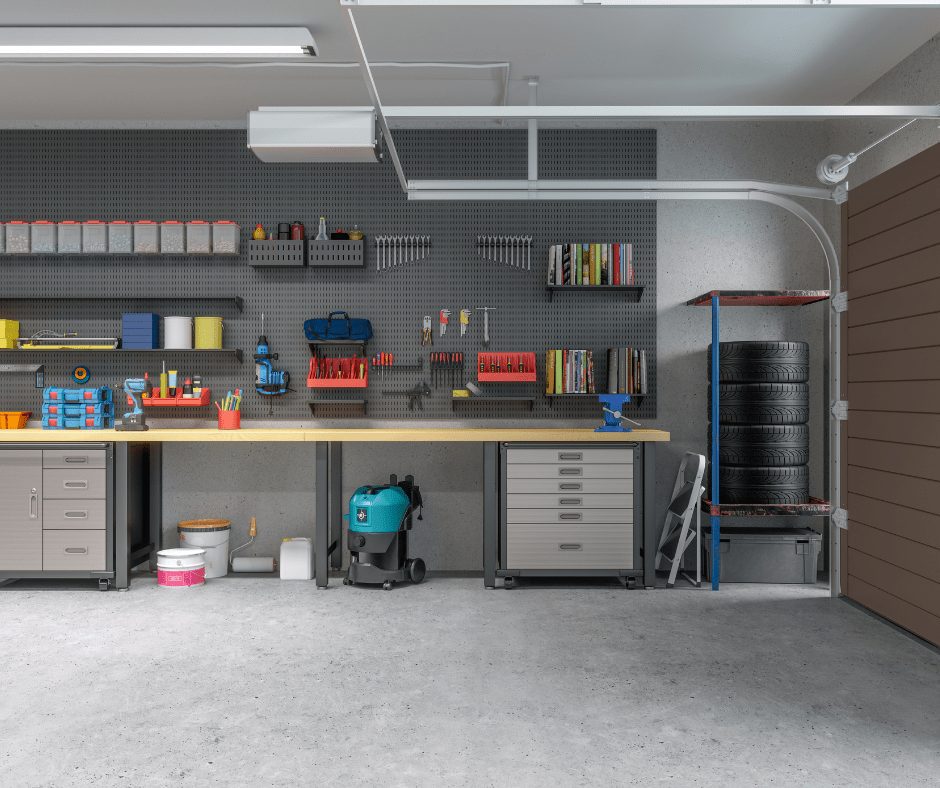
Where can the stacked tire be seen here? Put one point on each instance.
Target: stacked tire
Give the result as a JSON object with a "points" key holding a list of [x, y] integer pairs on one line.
{"points": [[763, 433]]}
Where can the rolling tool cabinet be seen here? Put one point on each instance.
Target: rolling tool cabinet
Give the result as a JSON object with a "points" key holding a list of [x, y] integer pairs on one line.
{"points": [[570, 510], [73, 511]]}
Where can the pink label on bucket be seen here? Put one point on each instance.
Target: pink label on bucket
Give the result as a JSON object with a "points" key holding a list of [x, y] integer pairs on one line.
{"points": [[175, 578]]}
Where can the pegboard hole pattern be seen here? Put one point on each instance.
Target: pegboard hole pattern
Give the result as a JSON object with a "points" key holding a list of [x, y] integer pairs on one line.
{"points": [[76, 175]]}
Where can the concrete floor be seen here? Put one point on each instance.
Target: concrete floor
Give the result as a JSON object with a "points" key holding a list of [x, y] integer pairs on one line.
{"points": [[255, 682]]}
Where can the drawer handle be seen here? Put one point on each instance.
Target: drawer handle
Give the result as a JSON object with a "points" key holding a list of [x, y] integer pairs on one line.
{"points": [[569, 546], [76, 515], [76, 459], [76, 485], [569, 515], [32, 504], [571, 456], [569, 501], [571, 471], [79, 550], [570, 486]]}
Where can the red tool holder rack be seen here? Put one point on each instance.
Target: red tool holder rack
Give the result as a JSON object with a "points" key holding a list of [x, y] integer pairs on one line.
{"points": [[331, 369], [523, 363], [178, 401]]}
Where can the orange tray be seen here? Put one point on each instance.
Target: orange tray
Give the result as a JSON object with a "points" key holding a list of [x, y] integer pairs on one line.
{"points": [[527, 360], [14, 419]]}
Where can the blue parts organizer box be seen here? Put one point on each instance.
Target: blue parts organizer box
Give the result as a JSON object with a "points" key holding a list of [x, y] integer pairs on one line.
{"points": [[77, 409]]}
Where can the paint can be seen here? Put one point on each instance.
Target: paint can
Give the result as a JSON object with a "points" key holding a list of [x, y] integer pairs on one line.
{"points": [[212, 537], [178, 333], [181, 567], [209, 333]]}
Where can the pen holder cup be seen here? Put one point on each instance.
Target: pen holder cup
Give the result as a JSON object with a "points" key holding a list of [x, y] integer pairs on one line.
{"points": [[230, 419]]}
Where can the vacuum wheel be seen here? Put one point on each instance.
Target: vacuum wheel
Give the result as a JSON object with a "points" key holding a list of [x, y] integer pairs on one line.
{"points": [[387, 585], [417, 570], [347, 581]]}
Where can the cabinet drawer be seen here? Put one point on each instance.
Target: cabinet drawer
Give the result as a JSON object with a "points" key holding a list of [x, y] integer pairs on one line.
{"points": [[73, 458], [74, 515], [74, 483], [527, 470], [569, 501], [570, 516], [74, 550], [563, 546], [573, 455], [569, 485]]}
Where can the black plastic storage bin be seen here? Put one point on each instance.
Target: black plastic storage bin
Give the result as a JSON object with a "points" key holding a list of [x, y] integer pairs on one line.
{"points": [[765, 555]]}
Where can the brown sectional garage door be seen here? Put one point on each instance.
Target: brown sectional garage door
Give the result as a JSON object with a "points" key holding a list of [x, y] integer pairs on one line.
{"points": [[891, 378]]}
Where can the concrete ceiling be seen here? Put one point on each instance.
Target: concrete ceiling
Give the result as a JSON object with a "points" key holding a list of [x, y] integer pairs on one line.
{"points": [[592, 55]]}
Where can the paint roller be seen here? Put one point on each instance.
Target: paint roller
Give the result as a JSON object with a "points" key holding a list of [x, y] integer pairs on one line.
{"points": [[251, 563]]}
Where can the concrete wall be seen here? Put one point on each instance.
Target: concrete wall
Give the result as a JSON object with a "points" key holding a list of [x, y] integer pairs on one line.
{"points": [[702, 245]]}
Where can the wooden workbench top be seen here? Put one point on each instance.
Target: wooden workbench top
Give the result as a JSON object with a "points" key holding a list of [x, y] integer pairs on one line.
{"points": [[311, 434]]}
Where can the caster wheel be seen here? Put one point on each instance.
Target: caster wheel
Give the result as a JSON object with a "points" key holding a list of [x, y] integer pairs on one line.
{"points": [[417, 571], [347, 581], [104, 584], [387, 585], [509, 582]]}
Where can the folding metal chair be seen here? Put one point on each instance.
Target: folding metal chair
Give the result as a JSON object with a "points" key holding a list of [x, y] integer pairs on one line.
{"points": [[677, 532]]}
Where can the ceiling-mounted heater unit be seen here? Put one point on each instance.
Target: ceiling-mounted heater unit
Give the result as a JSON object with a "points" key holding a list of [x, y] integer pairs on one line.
{"points": [[314, 134]]}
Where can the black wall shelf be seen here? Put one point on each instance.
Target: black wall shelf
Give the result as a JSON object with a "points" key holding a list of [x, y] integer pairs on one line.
{"points": [[632, 292], [530, 401]]}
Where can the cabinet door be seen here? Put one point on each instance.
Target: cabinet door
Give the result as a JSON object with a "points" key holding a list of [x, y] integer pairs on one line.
{"points": [[20, 510]]}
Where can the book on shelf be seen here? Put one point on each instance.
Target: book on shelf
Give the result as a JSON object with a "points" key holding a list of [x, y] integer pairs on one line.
{"points": [[591, 264], [626, 371], [569, 371]]}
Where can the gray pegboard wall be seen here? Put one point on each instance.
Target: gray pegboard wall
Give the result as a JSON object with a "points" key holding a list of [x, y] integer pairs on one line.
{"points": [[58, 175]]}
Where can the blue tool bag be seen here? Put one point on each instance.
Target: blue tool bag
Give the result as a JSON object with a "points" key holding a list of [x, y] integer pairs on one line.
{"points": [[339, 325]]}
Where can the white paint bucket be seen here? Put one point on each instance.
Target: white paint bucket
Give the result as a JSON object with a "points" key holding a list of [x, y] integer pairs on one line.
{"points": [[181, 567], [212, 537], [178, 333]]}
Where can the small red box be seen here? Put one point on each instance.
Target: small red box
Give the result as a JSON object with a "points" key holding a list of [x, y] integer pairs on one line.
{"points": [[509, 368]]}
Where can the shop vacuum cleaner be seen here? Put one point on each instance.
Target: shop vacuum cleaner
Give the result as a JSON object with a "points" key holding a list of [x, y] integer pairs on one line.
{"points": [[379, 522]]}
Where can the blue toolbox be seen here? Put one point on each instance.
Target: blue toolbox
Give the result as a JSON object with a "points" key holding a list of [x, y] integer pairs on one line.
{"points": [[77, 423], [91, 396], [77, 410], [140, 331]]}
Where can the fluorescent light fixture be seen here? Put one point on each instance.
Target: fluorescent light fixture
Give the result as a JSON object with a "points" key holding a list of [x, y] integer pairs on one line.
{"points": [[155, 43]]}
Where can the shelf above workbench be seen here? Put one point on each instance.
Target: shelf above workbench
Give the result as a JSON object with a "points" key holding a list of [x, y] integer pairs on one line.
{"points": [[496, 400], [235, 301], [632, 292], [235, 353]]}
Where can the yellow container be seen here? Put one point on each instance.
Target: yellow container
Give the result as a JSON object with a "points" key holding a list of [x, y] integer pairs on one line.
{"points": [[208, 333], [9, 333]]}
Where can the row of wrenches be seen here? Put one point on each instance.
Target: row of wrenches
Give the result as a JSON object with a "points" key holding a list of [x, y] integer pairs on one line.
{"points": [[511, 250], [394, 250]]}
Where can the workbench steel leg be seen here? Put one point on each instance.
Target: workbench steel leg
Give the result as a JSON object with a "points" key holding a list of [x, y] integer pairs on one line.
{"points": [[650, 537], [336, 504], [155, 501], [121, 538], [715, 420], [490, 513], [321, 541]]}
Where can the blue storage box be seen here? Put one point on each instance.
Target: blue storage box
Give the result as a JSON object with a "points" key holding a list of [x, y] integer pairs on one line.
{"points": [[89, 396], [77, 422], [77, 411], [140, 330]]}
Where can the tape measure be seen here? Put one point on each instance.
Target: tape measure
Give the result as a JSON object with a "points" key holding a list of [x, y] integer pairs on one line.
{"points": [[81, 374]]}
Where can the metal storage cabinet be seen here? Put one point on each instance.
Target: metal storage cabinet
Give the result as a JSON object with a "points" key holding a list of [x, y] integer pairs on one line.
{"points": [[571, 510], [20, 510]]}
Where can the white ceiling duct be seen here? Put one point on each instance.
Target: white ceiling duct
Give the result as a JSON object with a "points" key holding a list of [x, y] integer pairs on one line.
{"points": [[314, 134]]}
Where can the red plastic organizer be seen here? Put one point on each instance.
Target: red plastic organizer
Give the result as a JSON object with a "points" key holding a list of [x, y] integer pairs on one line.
{"points": [[509, 368], [178, 401], [351, 372]]}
